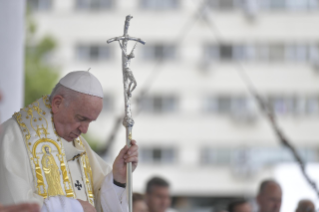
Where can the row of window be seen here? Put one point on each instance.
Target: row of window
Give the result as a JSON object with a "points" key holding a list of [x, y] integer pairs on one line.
{"points": [[275, 52], [224, 52], [280, 105], [253, 156], [273, 5], [289, 5], [103, 52], [93, 5], [230, 105]]}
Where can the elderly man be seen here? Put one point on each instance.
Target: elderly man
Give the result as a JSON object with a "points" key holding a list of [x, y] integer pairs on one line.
{"points": [[44, 159], [158, 196], [269, 196]]}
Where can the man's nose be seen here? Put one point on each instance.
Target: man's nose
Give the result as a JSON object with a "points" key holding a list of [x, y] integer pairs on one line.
{"points": [[84, 127]]}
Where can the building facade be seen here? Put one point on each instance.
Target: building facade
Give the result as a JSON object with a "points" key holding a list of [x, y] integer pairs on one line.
{"points": [[196, 121]]}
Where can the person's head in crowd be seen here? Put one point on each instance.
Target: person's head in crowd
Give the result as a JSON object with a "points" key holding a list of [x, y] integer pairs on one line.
{"points": [[157, 195], [240, 206], [269, 196], [139, 204], [305, 205]]}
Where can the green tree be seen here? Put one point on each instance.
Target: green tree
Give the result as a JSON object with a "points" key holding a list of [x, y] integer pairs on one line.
{"points": [[40, 75]]}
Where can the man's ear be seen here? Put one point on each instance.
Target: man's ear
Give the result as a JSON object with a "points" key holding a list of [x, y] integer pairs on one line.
{"points": [[56, 103]]}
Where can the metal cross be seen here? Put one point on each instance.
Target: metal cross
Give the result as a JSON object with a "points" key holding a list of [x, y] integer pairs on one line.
{"points": [[129, 83]]}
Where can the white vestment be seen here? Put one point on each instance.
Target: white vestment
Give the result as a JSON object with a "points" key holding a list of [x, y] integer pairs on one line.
{"points": [[17, 181]]}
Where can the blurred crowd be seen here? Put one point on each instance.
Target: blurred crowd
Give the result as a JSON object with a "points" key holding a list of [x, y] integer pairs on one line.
{"points": [[268, 199]]}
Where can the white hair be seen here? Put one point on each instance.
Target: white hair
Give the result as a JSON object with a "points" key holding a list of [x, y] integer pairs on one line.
{"points": [[65, 92]]}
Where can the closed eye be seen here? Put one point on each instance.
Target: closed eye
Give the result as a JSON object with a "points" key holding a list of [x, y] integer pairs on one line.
{"points": [[81, 118]]}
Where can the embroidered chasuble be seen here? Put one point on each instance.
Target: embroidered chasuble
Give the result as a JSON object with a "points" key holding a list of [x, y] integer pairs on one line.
{"points": [[36, 165], [47, 155]]}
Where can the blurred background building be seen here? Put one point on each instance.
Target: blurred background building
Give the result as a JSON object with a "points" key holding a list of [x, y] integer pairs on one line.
{"points": [[196, 122]]}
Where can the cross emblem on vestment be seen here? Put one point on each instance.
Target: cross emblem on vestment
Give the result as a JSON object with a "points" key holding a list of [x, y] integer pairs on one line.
{"points": [[78, 185]]}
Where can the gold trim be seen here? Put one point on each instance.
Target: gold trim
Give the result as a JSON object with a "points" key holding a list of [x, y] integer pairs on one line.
{"points": [[87, 173], [41, 130]]}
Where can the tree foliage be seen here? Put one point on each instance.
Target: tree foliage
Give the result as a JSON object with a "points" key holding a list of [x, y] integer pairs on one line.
{"points": [[40, 75]]}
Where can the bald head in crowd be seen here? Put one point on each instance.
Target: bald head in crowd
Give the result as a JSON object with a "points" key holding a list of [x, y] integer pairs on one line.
{"points": [[305, 206], [269, 196]]}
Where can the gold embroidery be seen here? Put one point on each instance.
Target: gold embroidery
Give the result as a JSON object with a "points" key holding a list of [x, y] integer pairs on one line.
{"points": [[51, 171], [46, 102], [40, 182], [87, 171], [48, 164], [23, 126]]}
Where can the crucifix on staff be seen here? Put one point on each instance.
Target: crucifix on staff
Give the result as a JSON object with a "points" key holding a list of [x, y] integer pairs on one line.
{"points": [[129, 83]]}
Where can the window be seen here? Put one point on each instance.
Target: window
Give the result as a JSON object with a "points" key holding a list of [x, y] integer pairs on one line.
{"points": [[226, 52], [314, 53], [281, 105], [93, 4], [218, 156], [295, 105], [39, 5], [297, 52], [272, 5], [312, 105], [163, 155], [158, 104], [159, 52], [223, 52], [159, 4], [263, 52], [292, 5], [254, 156], [224, 105], [211, 52], [277, 4], [228, 105], [276, 52], [93, 52], [224, 4]]}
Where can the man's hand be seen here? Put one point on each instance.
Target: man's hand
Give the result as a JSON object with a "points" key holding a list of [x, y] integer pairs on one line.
{"points": [[126, 155], [87, 207], [25, 207]]}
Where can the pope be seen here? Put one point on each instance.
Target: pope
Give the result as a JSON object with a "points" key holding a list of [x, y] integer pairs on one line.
{"points": [[45, 160]]}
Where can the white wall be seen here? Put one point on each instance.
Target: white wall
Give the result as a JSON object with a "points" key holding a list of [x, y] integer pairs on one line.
{"points": [[11, 56]]}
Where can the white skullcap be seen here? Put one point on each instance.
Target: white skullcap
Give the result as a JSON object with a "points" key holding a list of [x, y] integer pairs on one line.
{"points": [[83, 82]]}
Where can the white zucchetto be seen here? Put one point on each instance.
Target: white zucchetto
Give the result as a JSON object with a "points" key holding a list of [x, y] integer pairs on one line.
{"points": [[83, 82]]}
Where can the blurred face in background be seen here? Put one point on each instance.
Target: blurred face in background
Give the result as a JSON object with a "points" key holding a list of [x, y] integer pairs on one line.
{"points": [[158, 200], [140, 206], [269, 200], [245, 207], [305, 206]]}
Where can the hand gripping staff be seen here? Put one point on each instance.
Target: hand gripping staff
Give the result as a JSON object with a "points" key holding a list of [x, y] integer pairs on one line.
{"points": [[129, 85]]}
